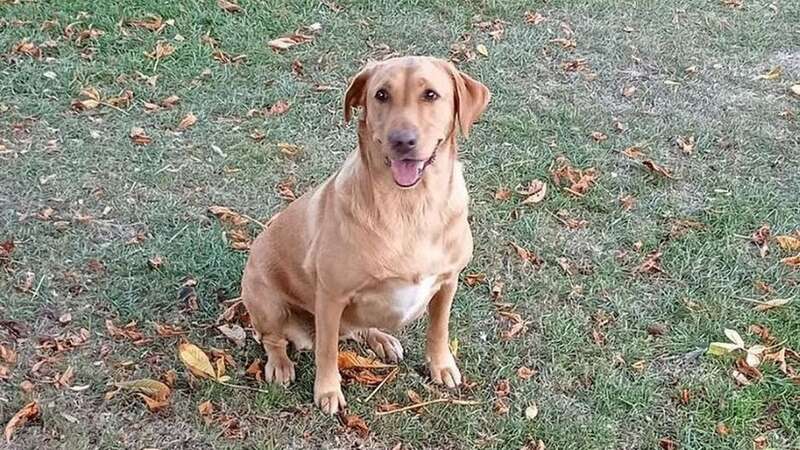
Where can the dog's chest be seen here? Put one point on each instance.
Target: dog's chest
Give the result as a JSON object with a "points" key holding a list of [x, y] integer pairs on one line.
{"points": [[393, 303]]}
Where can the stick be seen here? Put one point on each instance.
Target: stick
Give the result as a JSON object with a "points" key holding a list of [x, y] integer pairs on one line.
{"points": [[253, 220], [239, 386], [430, 402], [391, 374]]}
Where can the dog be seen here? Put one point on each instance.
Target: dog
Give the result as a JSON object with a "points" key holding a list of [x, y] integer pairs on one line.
{"points": [[381, 240]]}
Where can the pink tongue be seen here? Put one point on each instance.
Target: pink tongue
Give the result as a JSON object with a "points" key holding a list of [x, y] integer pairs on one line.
{"points": [[406, 172]]}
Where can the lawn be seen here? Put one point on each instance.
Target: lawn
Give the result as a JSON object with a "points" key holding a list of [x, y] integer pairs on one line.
{"points": [[620, 289]]}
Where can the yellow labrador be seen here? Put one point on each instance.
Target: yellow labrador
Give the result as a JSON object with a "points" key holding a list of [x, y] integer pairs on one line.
{"points": [[381, 240]]}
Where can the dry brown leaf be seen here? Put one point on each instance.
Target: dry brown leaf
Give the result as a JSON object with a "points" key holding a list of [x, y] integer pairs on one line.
{"points": [[155, 390], [278, 108], [355, 423], [759, 442], [565, 43], [474, 279], [760, 238], [233, 332], [667, 444], [155, 262], [651, 263], [497, 290], [161, 50], [655, 168], [286, 190], [228, 216], [789, 243], [239, 239], [527, 255], [686, 144], [128, 331], [579, 181], [229, 6], [526, 373], [774, 73], [8, 354], [792, 261], [139, 137], [206, 408], [28, 413], [152, 23], [627, 202], [27, 48], [502, 194], [66, 378], [350, 360], [187, 122], [256, 370], [533, 18], [599, 136], [196, 360], [289, 41], [628, 91], [634, 152], [770, 304], [534, 193], [170, 377], [170, 101], [154, 405], [167, 330]]}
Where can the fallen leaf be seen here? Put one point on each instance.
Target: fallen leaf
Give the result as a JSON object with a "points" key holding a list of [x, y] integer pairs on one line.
{"points": [[355, 423], [532, 411], [26, 387], [575, 65], [792, 261], [533, 18], [627, 202], [579, 181], [166, 330], [151, 23], [233, 332], [567, 44], [789, 243], [722, 429], [229, 6], [161, 50], [474, 279], [525, 373], [28, 413], [228, 216], [170, 377], [170, 101], [667, 444], [188, 295], [287, 42], [760, 442], [651, 263], [534, 193], [66, 378], [770, 304], [497, 290], [686, 144], [480, 48], [206, 408], [760, 238], [527, 255], [537, 444], [155, 262], [351, 360], [773, 74], [28, 48], [196, 360], [502, 194], [8, 355], [634, 152], [128, 331], [655, 168], [187, 122], [151, 388], [6, 249], [139, 137], [289, 150], [795, 89], [278, 108], [285, 190], [502, 388], [256, 370], [628, 91], [599, 136], [656, 329]]}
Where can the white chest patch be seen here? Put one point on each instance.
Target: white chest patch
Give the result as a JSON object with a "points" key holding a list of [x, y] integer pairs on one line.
{"points": [[410, 300]]}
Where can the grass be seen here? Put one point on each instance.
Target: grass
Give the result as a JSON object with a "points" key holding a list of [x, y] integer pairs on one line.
{"points": [[742, 173]]}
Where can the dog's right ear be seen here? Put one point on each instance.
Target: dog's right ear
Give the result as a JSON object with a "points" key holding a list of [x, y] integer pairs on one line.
{"points": [[356, 95]]}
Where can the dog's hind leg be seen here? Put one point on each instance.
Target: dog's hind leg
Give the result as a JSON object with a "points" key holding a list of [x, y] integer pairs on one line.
{"points": [[270, 317]]}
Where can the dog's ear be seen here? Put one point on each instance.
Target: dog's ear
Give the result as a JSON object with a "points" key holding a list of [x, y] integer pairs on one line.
{"points": [[471, 98], [356, 95]]}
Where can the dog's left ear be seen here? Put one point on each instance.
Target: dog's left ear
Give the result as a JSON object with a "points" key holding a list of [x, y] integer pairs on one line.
{"points": [[356, 95], [471, 98]]}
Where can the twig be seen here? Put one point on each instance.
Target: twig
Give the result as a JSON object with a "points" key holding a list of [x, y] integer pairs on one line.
{"points": [[114, 107], [430, 402], [174, 236], [239, 386], [253, 220], [374, 391]]}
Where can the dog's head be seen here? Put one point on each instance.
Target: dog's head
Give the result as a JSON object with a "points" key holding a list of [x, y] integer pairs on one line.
{"points": [[409, 107]]}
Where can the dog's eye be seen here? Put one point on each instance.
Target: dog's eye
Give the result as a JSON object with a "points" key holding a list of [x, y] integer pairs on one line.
{"points": [[430, 95], [382, 96]]}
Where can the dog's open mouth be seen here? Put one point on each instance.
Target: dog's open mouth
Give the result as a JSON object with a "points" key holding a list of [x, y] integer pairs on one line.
{"points": [[408, 172]]}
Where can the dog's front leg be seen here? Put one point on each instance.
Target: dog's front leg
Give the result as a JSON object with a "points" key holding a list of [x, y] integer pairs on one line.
{"points": [[327, 384], [441, 361]]}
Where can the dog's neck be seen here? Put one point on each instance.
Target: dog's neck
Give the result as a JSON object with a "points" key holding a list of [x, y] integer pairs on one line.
{"points": [[375, 196]]}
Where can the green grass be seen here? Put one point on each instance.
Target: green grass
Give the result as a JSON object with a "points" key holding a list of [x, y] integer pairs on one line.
{"points": [[743, 173]]}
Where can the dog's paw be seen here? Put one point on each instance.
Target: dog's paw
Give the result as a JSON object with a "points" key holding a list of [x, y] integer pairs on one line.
{"points": [[279, 370], [386, 346], [329, 397], [444, 370]]}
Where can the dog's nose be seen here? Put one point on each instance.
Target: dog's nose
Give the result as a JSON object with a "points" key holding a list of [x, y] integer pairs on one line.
{"points": [[403, 141]]}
